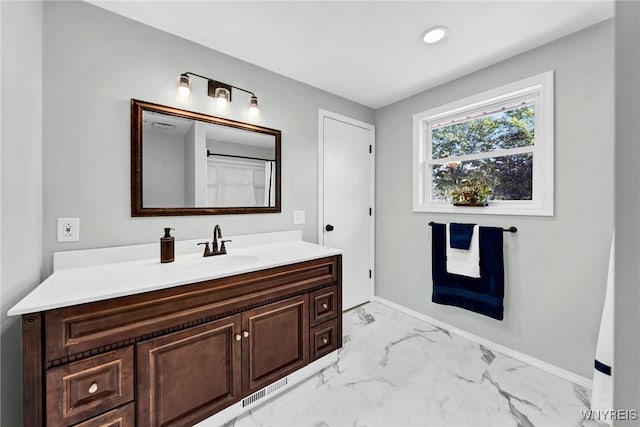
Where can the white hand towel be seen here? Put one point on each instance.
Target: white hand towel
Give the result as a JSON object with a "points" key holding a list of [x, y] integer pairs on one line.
{"points": [[464, 262], [602, 392]]}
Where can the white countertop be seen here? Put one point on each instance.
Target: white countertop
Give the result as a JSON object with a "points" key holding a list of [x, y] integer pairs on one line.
{"points": [[79, 276]]}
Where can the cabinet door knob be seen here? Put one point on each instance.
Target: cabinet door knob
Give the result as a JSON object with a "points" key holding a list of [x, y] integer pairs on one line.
{"points": [[238, 337], [324, 305], [325, 340], [245, 334], [93, 388]]}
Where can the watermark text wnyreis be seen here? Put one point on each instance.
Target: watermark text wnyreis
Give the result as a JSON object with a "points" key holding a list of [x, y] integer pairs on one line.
{"points": [[609, 415]]}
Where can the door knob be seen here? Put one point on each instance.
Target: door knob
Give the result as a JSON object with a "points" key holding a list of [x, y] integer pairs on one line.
{"points": [[329, 227]]}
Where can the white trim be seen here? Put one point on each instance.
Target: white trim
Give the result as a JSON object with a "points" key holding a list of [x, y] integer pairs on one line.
{"points": [[541, 88], [372, 189], [515, 354]]}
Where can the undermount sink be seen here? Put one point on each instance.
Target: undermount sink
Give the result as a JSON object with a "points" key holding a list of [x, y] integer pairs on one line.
{"points": [[220, 262]]}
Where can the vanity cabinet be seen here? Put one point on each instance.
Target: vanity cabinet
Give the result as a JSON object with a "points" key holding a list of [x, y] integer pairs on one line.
{"points": [[176, 356]]}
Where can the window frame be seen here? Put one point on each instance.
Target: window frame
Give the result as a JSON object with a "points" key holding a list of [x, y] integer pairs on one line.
{"points": [[538, 87]]}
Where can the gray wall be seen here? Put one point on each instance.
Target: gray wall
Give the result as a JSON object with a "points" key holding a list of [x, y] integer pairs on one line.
{"points": [[163, 166], [555, 266], [21, 178], [94, 62], [627, 179]]}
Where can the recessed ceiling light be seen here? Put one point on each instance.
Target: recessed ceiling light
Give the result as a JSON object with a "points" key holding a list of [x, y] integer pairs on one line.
{"points": [[435, 34]]}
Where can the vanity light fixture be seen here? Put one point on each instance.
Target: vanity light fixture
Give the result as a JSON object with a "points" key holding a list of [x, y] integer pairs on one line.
{"points": [[435, 34], [220, 92]]}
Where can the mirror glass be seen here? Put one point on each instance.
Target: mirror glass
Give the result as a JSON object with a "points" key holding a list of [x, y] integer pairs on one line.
{"points": [[187, 163]]}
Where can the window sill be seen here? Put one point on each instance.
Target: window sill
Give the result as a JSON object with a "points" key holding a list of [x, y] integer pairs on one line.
{"points": [[494, 208]]}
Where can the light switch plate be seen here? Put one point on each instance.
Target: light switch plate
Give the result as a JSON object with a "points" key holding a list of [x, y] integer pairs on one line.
{"points": [[298, 217], [68, 229]]}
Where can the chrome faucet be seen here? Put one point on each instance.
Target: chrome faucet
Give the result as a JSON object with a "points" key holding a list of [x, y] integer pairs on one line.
{"points": [[217, 234]]}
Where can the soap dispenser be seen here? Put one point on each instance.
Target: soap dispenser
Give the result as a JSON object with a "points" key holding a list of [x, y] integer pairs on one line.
{"points": [[167, 246]]}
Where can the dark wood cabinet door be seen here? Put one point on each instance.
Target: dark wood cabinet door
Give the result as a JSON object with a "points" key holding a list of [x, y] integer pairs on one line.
{"points": [[186, 376], [275, 342]]}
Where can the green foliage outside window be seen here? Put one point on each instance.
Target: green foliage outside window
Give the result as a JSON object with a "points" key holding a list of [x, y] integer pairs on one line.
{"points": [[508, 176]]}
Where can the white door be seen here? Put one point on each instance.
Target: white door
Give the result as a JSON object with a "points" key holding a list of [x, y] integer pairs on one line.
{"points": [[346, 201]]}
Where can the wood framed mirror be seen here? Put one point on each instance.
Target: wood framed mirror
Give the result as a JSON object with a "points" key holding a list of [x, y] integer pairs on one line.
{"points": [[188, 163]]}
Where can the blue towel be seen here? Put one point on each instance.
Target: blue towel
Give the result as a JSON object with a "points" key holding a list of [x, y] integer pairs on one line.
{"points": [[460, 237], [484, 295]]}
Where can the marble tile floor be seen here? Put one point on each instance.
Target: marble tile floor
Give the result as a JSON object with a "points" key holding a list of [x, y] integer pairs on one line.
{"points": [[395, 370]]}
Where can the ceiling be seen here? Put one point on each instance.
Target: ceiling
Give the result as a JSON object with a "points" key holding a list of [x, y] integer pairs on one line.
{"points": [[370, 52]]}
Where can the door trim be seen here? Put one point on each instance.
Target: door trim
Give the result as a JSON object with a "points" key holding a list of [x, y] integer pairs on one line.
{"points": [[322, 114]]}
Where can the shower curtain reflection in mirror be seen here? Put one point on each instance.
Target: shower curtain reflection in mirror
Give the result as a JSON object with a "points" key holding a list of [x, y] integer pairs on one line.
{"points": [[236, 181]]}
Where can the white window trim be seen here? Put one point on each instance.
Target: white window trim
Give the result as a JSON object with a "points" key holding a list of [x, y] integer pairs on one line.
{"points": [[540, 86]]}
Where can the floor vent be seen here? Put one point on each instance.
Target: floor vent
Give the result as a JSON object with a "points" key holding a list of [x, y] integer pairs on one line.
{"points": [[264, 392]]}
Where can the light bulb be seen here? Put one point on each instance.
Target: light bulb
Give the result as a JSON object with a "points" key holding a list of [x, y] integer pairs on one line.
{"points": [[184, 87], [222, 104], [222, 96], [184, 91], [254, 110]]}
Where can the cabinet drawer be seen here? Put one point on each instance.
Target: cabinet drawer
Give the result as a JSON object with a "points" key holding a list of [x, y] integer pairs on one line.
{"points": [[86, 388], [324, 305], [122, 417], [324, 339]]}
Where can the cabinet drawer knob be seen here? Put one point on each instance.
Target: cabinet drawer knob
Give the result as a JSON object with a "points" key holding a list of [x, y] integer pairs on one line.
{"points": [[93, 388], [325, 340], [245, 334], [238, 337], [324, 306]]}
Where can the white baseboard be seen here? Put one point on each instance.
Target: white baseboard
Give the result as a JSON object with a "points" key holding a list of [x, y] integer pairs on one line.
{"points": [[537, 363]]}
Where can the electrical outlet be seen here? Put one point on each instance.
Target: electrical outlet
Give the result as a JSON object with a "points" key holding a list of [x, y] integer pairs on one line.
{"points": [[298, 217], [68, 229]]}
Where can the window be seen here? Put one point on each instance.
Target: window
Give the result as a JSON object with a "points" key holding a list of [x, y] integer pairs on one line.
{"points": [[502, 138]]}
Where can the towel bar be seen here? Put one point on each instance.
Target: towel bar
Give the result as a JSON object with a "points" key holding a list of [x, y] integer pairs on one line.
{"points": [[511, 229]]}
